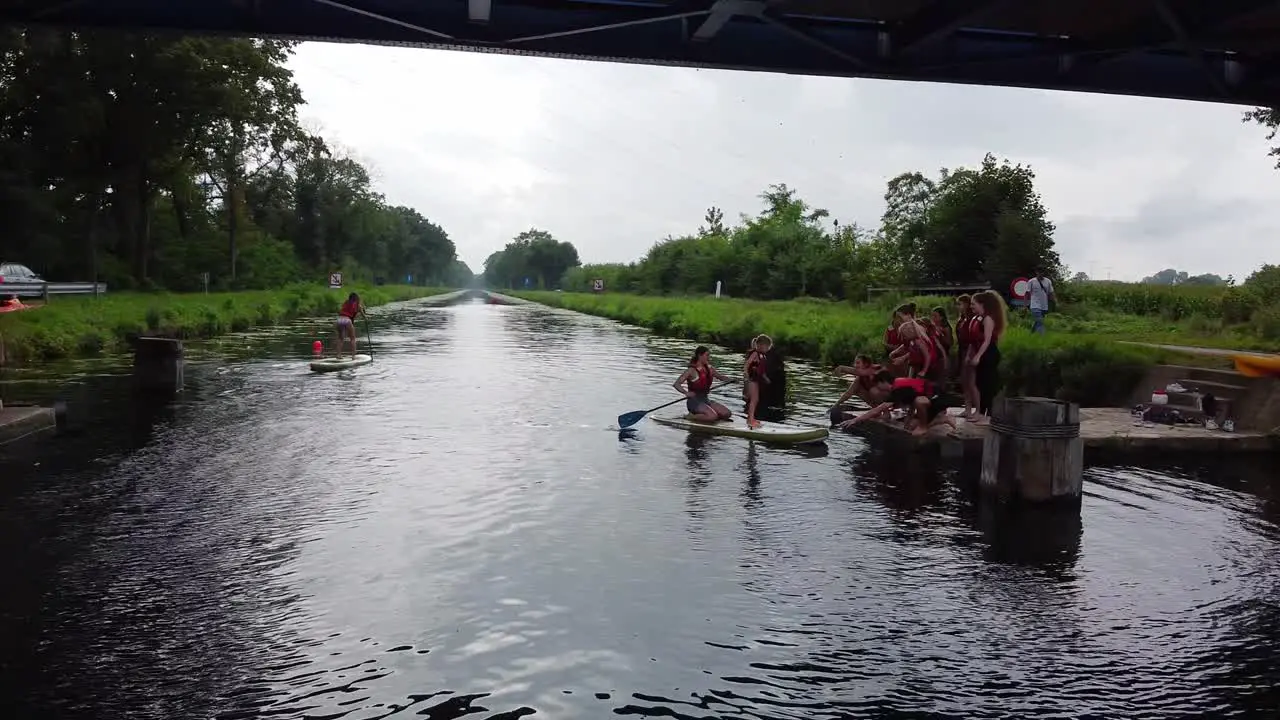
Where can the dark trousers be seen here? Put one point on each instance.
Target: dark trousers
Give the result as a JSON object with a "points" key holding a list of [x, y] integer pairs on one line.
{"points": [[987, 377]]}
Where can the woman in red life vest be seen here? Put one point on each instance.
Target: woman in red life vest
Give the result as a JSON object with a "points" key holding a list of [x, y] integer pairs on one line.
{"points": [[968, 327], [346, 325], [919, 352], [985, 356], [933, 334], [946, 336], [901, 314], [754, 376], [695, 384]]}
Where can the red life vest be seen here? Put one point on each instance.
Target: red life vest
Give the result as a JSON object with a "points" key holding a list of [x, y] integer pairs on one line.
{"points": [[916, 357], [919, 384], [891, 338], [962, 331], [350, 309], [975, 330], [700, 383], [755, 366]]}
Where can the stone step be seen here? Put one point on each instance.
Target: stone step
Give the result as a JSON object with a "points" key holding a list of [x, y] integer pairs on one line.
{"points": [[1188, 412], [1230, 377], [1217, 389]]}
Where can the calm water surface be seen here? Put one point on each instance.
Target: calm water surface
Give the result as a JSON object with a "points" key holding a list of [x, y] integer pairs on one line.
{"points": [[456, 530]]}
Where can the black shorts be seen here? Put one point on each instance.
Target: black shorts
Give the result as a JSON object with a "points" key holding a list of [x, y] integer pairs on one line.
{"points": [[697, 404], [939, 404]]}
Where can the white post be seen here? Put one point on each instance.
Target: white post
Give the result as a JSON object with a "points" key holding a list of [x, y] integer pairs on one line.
{"points": [[717, 288]]}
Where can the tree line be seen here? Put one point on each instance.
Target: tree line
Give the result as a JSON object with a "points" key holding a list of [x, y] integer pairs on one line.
{"points": [[534, 259], [966, 226], [146, 161]]}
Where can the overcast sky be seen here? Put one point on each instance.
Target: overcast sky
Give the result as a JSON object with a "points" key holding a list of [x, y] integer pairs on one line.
{"points": [[615, 157]]}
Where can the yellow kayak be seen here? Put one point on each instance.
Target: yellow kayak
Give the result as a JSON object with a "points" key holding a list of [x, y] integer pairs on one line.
{"points": [[737, 427], [1257, 365]]}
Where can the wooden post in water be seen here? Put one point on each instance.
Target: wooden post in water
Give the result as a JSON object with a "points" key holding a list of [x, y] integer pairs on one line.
{"points": [[157, 365], [1033, 451]]}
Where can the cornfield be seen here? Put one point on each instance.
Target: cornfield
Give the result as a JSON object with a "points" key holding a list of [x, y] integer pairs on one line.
{"points": [[1173, 302]]}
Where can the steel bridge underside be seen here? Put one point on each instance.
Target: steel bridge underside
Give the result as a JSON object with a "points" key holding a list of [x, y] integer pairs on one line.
{"points": [[1219, 50]]}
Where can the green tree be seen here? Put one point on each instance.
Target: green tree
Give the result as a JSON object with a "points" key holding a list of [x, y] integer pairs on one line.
{"points": [[534, 255], [146, 161]]}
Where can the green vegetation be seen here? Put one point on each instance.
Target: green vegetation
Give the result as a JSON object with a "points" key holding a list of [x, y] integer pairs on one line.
{"points": [[84, 326], [1090, 369], [533, 256], [1245, 316], [147, 161], [970, 226]]}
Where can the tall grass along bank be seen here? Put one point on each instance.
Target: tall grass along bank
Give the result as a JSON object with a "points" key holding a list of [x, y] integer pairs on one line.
{"points": [[1090, 370], [87, 326]]}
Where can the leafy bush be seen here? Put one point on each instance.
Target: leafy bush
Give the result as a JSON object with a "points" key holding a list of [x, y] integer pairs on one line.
{"points": [[1084, 369]]}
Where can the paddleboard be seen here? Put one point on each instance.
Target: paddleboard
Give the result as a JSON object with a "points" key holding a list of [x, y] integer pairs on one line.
{"points": [[737, 427], [1258, 365], [334, 364]]}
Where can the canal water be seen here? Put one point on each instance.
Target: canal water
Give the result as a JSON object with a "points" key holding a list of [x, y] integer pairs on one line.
{"points": [[458, 530]]}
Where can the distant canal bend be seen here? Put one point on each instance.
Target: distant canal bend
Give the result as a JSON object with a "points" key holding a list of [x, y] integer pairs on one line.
{"points": [[455, 530]]}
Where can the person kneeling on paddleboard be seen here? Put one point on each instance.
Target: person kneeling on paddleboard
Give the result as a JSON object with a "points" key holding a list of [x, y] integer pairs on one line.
{"points": [[346, 325], [916, 396], [695, 384]]}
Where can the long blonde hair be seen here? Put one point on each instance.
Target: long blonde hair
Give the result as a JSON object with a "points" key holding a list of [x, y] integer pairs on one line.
{"points": [[994, 308]]}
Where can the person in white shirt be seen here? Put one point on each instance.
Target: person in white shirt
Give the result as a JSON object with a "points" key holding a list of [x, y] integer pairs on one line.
{"points": [[1041, 289]]}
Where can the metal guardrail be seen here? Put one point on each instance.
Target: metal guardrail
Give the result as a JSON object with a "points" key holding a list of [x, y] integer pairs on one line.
{"points": [[44, 289]]}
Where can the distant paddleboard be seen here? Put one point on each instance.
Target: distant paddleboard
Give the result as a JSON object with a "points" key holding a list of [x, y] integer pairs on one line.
{"points": [[334, 364]]}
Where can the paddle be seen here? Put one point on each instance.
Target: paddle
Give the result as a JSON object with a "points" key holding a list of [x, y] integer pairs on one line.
{"points": [[626, 420], [368, 335]]}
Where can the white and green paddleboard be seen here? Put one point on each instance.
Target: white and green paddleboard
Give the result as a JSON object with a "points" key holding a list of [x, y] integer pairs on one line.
{"points": [[737, 427], [334, 364]]}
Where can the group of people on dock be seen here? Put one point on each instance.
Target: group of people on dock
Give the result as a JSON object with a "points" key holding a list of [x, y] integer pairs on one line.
{"points": [[924, 357]]}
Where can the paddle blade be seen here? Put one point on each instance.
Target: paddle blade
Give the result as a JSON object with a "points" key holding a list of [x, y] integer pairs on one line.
{"points": [[631, 418]]}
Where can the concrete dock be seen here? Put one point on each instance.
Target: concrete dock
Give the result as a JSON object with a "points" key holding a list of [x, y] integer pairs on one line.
{"points": [[19, 422], [1103, 429]]}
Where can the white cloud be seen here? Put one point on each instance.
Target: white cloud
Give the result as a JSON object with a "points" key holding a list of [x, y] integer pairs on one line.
{"points": [[614, 157]]}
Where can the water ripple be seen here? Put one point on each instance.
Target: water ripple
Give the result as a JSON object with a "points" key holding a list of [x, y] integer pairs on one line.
{"points": [[449, 532]]}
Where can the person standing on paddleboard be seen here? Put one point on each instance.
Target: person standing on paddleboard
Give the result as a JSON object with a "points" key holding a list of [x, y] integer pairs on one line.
{"points": [[755, 377], [347, 322], [695, 384]]}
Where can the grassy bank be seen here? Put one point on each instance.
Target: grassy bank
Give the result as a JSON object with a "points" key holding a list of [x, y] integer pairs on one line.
{"points": [[85, 326], [1091, 369]]}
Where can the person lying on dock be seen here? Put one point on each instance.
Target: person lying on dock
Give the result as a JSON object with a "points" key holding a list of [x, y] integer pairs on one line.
{"points": [[923, 410]]}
